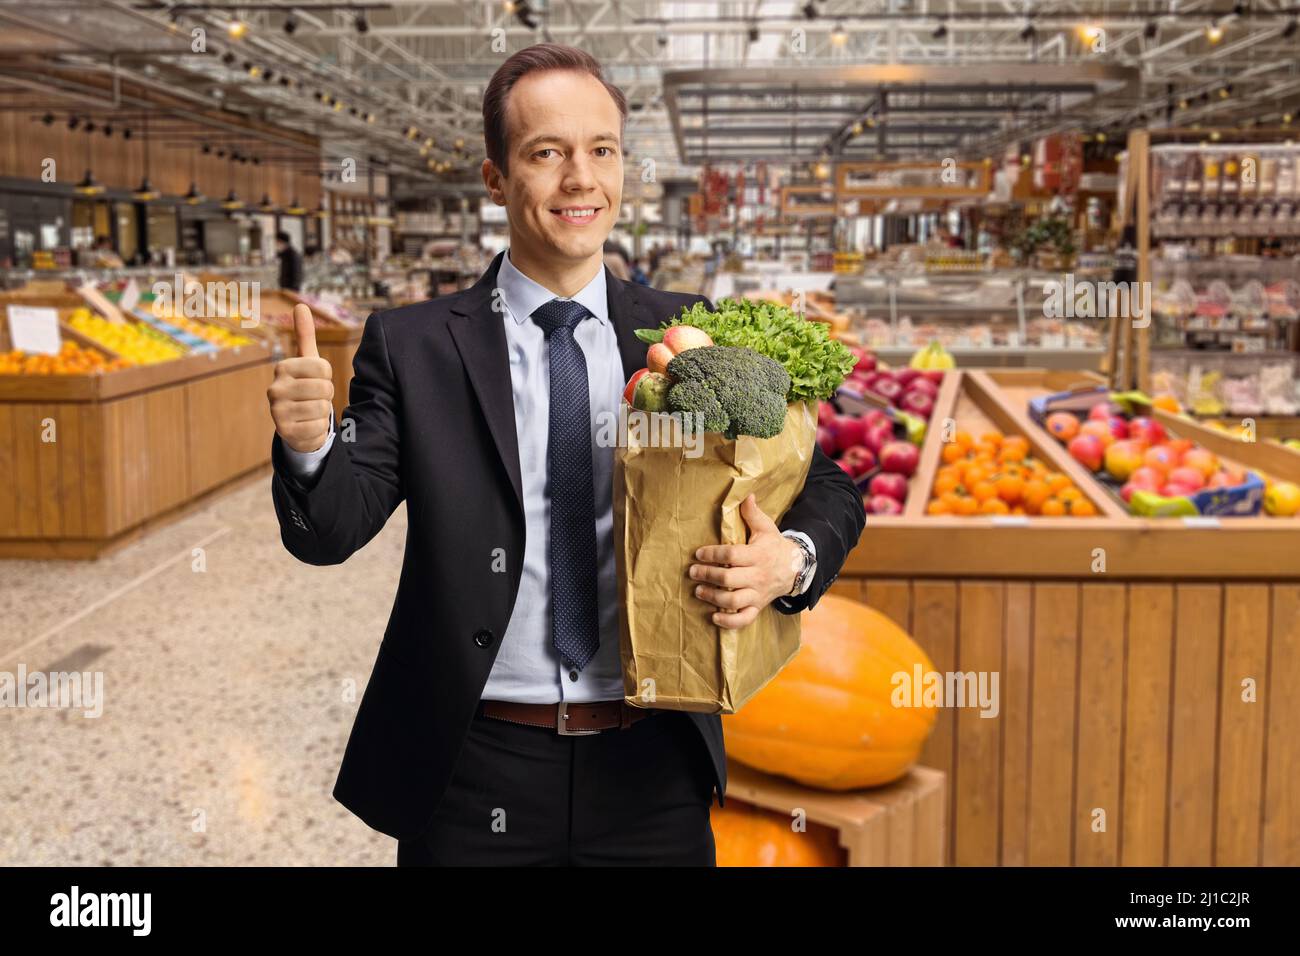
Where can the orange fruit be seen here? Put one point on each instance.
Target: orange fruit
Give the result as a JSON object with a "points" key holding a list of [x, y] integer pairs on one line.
{"points": [[983, 490], [1010, 488], [992, 436], [1070, 494], [936, 507], [1083, 508], [963, 439], [945, 483], [950, 499], [1036, 492], [966, 505], [1057, 482], [1015, 448], [974, 474], [953, 452], [994, 506], [1052, 508]]}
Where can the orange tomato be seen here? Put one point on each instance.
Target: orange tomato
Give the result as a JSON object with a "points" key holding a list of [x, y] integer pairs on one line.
{"points": [[950, 498], [1070, 494], [992, 436], [994, 506], [1057, 482], [966, 505], [946, 483], [952, 452], [936, 507], [1015, 448], [1083, 508], [964, 439], [1010, 488], [1036, 492], [1052, 508], [983, 490], [974, 474]]}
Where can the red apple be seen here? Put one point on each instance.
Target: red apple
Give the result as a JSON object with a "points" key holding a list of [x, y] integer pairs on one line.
{"points": [[1147, 478], [679, 338], [905, 376], [887, 388], [1098, 429], [1188, 477], [849, 431], [1101, 412], [825, 413], [846, 467], [878, 436], [873, 416], [861, 458], [657, 358], [900, 457], [1147, 429], [890, 484], [1162, 458], [1174, 490], [1126, 492], [923, 385], [918, 403], [826, 440], [1087, 450], [883, 505], [1203, 460], [934, 375], [1118, 427], [631, 384]]}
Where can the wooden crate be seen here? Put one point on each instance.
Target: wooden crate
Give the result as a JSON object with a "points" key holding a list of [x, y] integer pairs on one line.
{"points": [[901, 824], [1120, 686]]}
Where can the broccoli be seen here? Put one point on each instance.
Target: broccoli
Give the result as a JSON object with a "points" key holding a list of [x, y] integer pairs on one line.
{"points": [[737, 391]]}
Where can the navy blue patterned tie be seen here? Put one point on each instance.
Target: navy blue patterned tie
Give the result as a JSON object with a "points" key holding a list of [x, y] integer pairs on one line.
{"points": [[575, 628]]}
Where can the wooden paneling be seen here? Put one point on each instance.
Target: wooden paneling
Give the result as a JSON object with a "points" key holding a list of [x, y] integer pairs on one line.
{"points": [[1015, 718], [1241, 724], [1194, 717], [976, 809], [9, 475], [1146, 724], [1052, 746], [1123, 696], [1100, 718], [229, 427], [1280, 834]]}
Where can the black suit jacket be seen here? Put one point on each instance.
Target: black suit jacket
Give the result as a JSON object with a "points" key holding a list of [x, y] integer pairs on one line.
{"points": [[432, 409]]}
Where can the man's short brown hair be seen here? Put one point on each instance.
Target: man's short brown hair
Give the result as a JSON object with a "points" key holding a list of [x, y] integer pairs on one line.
{"points": [[534, 59]]}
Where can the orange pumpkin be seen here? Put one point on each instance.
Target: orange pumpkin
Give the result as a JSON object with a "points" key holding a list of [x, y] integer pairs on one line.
{"points": [[747, 836], [828, 719]]}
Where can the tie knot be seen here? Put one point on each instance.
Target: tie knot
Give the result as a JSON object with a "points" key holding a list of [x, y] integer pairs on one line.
{"points": [[559, 313]]}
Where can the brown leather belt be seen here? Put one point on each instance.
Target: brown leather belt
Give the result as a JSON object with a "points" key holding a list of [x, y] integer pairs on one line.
{"points": [[568, 719]]}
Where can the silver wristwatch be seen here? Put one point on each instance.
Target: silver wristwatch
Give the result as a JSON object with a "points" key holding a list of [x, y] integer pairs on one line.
{"points": [[806, 569]]}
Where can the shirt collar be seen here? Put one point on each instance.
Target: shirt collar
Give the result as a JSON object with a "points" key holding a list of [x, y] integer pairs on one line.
{"points": [[523, 296]]}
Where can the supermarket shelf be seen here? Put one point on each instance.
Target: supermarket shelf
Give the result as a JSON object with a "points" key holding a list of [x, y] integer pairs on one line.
{"points": [[1002, 356]]}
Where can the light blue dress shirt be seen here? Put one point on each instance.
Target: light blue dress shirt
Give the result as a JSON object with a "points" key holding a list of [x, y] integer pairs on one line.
{"points": [[527, 667]]}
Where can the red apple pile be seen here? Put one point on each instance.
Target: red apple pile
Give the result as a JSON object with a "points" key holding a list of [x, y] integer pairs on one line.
{"points": [[866, 444], [908, 389]]}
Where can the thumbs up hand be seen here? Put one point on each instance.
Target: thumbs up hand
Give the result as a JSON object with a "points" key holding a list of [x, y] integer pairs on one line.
{"points": [[302, 393]]}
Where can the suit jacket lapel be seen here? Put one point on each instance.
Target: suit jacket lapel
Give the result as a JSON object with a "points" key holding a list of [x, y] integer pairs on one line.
{"points": [[628, 314], [480, 337]]}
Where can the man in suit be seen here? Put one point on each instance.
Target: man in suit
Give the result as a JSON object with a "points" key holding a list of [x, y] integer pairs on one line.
{"points": [[493, 729]]}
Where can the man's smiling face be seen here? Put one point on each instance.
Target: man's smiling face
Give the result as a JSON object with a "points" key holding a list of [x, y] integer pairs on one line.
{"points": [[564, 181]]}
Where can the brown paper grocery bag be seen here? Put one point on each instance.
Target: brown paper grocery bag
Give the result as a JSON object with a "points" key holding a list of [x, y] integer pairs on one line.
{"points": [[667, 504]]}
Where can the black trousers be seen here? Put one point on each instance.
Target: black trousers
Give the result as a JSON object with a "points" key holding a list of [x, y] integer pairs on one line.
{"points": [[526, 796]]}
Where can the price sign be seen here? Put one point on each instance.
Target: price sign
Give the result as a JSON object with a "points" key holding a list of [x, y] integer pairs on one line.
{"points": [[130, 297], [34, 329]]}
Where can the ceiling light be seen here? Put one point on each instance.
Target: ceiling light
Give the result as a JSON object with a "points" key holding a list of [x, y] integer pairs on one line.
{"points": [[1239, 8], [73, 122], [145, 192], [228, 58], [810, 10], [232, 201], [856, 129], [1151, 29], [290, 23], [269, 75], [266, 205], [1288, 31], [940, 31], [1225, 91], [236, 28], [90, 127], [662, 38], [370, 117], [428, 143], [88, 186], [295, 208], [838, 36], [48, 119], [362, 24], [126, 133], [753, 32], [108, 129], [1182, 104], [1286, 119], [1214, 33], [193, 197], [1027, 31]]}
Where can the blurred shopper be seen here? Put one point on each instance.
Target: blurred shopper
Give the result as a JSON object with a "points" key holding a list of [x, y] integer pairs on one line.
{"points": [[494, 728], [290, 262]]}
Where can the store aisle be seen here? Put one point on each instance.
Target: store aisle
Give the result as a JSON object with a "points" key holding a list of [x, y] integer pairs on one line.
{"points": [[225, 705]]}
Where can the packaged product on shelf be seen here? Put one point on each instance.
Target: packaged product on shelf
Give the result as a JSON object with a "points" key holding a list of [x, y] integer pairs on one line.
{"points": [[1277, 388]]}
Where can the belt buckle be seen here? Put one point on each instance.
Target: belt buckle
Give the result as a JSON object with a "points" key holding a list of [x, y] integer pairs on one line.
{"points": [[562, 715]]}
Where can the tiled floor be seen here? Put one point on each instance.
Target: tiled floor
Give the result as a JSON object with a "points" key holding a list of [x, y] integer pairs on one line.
{"points": [[228, 693]]}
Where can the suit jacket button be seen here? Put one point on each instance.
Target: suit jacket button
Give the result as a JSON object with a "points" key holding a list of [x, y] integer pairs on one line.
{"points": [[483, 637]]}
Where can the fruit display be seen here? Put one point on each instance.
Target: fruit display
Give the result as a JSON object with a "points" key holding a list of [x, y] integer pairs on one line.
{"points": [[72, 359], [836, 718], [1153, 472], [218, 336], [128, 340], [995, 474], [911, 390], [746, 835], [933, 356]]}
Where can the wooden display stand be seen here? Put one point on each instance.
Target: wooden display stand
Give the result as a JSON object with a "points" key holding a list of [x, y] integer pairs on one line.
{"points": [[1127, 651], [89, 461], [900, 824]]}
